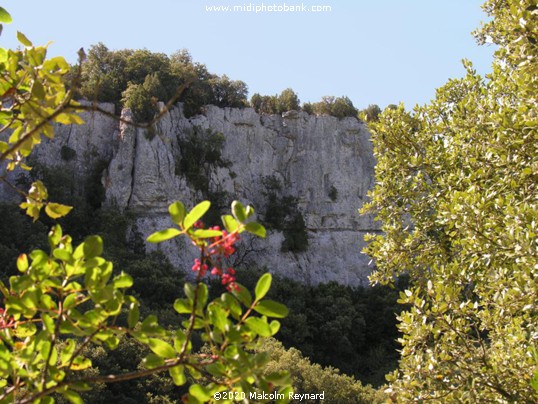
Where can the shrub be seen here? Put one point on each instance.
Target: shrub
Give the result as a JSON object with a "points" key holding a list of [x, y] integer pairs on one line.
{"points": [[283, 214], [333, 193], [200, 152], [311, 378], [67, 153]]}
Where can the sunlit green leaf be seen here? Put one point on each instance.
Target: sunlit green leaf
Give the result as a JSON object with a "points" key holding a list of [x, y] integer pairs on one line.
{"points": [[177, 212], [80, 363], [263, 285], [22, 39], [256, 229], [178, 375], [163, 235], [230, 223], [5, 17], [238, 211], [161, 348], [72, 396], [271, 308], [196, 214], [56, 210], [259, 326], [93, 246], [122, 281], [203, 233]]}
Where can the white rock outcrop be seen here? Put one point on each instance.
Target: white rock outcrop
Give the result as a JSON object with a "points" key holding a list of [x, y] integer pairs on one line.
{"points": [[312, 157], [325, 162]]}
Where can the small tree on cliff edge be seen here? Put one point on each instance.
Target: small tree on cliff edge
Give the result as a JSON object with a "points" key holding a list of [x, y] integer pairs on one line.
{"points": [[457, 195]]}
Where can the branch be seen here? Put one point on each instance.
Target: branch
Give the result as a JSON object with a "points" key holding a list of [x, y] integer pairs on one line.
{"points": [[64, 104]]}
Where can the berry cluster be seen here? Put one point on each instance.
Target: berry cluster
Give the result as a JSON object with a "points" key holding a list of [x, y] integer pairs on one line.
{"points": [[219, 247]]}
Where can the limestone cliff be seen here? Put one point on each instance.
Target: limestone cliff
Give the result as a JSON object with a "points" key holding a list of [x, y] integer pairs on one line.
{"points": [[324, 165]]}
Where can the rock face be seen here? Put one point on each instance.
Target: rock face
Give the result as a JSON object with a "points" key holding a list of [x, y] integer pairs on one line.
{"points": [[324, 164]]}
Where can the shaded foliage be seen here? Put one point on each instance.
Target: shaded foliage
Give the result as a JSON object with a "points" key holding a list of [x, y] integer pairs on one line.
{"points": [[282, 213], [351, 329]]}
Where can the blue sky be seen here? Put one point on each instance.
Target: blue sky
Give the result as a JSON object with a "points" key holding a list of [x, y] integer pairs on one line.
{"points": [[374, 52]]}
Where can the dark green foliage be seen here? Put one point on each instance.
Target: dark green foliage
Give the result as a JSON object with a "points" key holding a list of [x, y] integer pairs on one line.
{"points": [[352, 329], [142, 98], [275, 104], [265, 104], [67, 153], [339, 107], [288, 101], [228, 93], [157, 388], [200, 153], [86, 195], [333, 193], [371, 114], [308, 108], [343, 107], [282, 213], [17, 233], [137, 79], [220, 200], [294, 228]]}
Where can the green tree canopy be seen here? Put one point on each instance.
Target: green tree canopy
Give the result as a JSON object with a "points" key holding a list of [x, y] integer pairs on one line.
{"points": [[457, 195], [138, 78]]}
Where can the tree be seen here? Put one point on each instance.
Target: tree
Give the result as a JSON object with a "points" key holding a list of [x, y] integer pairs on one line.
{"points": [[310, 378], [71, 298], [339, 107], [457, 196], [343, 107], [371, 113], [288, 101], [229, 93]]}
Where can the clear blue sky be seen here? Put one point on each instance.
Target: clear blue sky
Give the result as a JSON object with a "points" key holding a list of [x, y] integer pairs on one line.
{"points": [[375, 52]]}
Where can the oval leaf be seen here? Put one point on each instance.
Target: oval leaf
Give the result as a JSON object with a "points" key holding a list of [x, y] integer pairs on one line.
{"points": [[22, 39], [177, 212], [199, 393], [238, 210], [134, 314], [259, 326], [202, 233], [161, 348], [195, 214], [56, 210], [256, 229], [92, 247], [163, 235], [271, 308], [122, 281], [178, 375], [81, 363], [229, 223], [243, 295], [5, 17], [22, 263], [263, 285]]}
